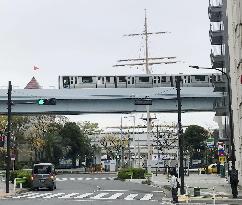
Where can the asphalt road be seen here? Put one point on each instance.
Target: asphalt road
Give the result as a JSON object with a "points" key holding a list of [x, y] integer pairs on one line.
{"points": [[91, 189]]}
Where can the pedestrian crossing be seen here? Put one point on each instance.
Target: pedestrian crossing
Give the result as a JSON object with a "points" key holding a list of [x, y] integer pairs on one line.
{"points": [[61, 179], [89, 196]]}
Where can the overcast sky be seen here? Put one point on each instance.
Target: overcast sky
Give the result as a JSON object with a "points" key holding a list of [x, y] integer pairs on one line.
{"points": [[79, 37]]}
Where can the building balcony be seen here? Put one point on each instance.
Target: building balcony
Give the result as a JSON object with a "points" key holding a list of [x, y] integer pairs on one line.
{"points": [[216, 37], [215, 10], [217, 60]]}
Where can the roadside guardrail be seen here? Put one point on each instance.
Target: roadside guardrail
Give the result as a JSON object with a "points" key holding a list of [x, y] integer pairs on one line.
{"points": [[19, 181]]}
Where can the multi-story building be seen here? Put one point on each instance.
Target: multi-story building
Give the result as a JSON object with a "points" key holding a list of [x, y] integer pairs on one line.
{"points": [[131, 148]]}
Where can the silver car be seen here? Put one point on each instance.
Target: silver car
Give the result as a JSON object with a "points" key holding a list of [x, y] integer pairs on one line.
{"points": [[43, 176]]}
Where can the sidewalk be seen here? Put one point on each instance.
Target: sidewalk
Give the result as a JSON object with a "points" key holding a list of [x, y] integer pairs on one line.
{"points": [[209, 184], [3, 189]]}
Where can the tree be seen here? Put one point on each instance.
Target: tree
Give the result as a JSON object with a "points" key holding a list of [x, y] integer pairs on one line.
{"points": [[195, 141], [114, 145]]}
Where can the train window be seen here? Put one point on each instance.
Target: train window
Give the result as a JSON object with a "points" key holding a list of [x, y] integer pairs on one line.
{"points": [[200, 77], [87, 79], [121, 79], [75, 80], [132, 80], [163, 79], [144, 79], [66, 82], [107, 79], [158, 79]]}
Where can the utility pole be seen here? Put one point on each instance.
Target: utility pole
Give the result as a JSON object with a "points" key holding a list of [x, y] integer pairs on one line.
{"points": [[122, 146], [157, 145], [180, 133], [8, 136], [129, 149]]}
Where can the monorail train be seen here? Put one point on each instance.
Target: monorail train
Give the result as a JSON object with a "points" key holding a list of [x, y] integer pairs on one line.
{"points": [[137, 81]]}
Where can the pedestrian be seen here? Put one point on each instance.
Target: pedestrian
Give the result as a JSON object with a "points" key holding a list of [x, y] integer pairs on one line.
{"points": [[174, 186], [234, 182], [218, 167]]}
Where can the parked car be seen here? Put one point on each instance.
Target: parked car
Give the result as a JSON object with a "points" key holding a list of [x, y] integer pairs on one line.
{"points": [[212, 169], [43, 176]]}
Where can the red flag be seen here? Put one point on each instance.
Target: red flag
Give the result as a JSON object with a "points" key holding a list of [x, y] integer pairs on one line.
{"points": [[36, 68]]}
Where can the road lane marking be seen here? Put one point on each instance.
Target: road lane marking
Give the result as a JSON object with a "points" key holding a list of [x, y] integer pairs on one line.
{"points": [[146, 197], [114, 190], [53, 195], [115, 196], [88, 178], [80, 178], [61, 179], [72, 179], [99, 196], [39, 195], [67, 196], [24, 195], [130, 196], [82, 196]]}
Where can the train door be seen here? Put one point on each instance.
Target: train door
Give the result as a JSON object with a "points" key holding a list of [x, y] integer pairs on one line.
{"points": [[66, 82], [156, 81], [130, 82], [73, 81], [101, 82], [186, 80]]}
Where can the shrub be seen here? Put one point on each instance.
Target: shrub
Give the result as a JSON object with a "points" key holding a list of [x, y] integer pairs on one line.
{"points": [[138, 173], [20, 174]]}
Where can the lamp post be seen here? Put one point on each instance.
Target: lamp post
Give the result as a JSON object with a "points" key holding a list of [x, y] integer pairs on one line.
{"points": [[231, 125]]}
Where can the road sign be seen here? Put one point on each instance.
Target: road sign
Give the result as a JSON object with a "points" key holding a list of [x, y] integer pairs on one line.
{"points": [[143, 101], [222, 159], [210, 142]]}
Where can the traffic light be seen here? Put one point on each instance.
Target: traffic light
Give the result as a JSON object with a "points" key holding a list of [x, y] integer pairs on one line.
{"points": [[51, 101]]}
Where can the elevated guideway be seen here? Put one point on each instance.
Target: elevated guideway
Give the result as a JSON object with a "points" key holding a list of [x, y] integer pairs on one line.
{"points": [[109, 100]]}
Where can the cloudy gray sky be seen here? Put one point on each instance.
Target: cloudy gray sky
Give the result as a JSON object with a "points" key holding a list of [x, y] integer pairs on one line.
{"points": [[86, 37]]}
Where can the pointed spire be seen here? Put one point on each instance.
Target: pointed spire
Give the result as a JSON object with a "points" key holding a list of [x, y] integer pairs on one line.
{"points": [[33, 84]]}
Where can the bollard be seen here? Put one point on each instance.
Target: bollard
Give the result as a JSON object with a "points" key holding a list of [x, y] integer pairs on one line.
{"points": [[214, 195]]}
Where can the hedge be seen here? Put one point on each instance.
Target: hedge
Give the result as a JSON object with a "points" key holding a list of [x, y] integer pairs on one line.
{"points": [[138, 173], [19, 174]]}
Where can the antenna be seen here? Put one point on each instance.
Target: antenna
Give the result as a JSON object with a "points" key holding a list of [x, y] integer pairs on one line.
{"points": [[147, 61]]}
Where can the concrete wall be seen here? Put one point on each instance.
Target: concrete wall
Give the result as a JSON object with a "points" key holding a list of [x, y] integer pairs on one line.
{"points": [[234, 9]]}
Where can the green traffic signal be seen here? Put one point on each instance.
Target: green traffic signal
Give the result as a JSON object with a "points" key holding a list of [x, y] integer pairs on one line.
{"points": [[51, 101], [41, 102]]}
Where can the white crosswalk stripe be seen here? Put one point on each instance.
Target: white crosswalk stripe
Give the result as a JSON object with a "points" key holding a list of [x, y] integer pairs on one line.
{"points": [[38, 195], [68, 196], [83, 196], [83, 178], [99, 196], [147, 197], [104, 195], [130, 197], [24, 195], [53, 195]]}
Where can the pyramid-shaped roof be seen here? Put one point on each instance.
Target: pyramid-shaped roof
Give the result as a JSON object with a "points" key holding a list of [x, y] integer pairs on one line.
{"points": [[33, 84]]}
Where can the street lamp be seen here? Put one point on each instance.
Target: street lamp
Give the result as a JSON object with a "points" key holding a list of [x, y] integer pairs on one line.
{"points": [[231, 126]]}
